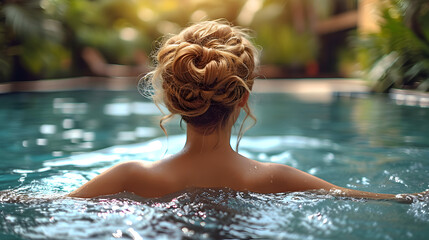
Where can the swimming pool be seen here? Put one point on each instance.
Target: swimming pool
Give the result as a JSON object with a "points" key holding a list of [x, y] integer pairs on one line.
{"points": [[51, 143]]}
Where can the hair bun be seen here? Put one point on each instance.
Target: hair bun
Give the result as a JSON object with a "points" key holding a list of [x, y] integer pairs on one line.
{"points": [[200, 70], [189, 99], [204, 71]]}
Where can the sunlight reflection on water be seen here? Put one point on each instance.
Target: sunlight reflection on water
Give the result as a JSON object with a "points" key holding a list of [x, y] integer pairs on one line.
{"points": [[350, 143], [195, 213]]}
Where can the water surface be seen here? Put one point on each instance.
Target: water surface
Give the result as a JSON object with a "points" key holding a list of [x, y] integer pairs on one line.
{"points": [[54, 142]]}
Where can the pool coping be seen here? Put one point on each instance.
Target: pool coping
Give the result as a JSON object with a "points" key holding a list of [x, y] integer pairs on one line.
{"points": [[68, 84], [410, 97], [297, 86], [318, 86], [307, 89]]}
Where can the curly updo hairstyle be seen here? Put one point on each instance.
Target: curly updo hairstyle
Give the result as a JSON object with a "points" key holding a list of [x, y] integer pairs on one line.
{"points": [[202, 73]]}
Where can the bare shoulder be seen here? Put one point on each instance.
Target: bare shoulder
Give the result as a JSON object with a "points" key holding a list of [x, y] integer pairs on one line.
{"points": [[274, 177], [140, 171], [149, 179], [118, 178], [274, 169], [135, 166]]}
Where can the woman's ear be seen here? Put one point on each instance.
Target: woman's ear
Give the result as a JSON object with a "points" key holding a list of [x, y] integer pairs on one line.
{"points": [[243, 101]]}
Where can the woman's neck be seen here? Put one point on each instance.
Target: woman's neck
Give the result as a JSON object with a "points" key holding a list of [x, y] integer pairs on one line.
{"points": [[198, 142]]}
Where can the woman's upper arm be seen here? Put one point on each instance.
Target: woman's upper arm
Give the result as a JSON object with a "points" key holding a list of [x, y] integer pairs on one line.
{"points": [[111, 181], [291, 179]]}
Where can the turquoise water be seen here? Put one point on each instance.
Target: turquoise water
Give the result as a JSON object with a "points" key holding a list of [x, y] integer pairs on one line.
{"points": [[51, 143]]}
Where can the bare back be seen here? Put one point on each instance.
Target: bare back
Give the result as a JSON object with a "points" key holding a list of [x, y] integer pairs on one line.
{"points": [[240, 173], [148, 179]]}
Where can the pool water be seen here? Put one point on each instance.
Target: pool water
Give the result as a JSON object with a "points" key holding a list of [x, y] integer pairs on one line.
{"points": [[51, 143]]}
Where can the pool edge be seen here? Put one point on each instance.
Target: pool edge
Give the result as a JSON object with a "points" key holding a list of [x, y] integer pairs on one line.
{"points": [[297, 86]]}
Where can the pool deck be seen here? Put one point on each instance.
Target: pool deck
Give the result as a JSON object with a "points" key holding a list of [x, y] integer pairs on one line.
{"points": [[298, 86], [307, 89], [313, 90], [311, 86]]}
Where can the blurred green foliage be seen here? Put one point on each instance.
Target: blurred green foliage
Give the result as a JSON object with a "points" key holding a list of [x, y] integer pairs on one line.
{"points": [[398, 55], [286, 41], [42, 39]]}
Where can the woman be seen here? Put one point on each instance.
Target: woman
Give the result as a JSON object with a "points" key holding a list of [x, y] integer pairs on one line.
{"points": [[205, 75]]}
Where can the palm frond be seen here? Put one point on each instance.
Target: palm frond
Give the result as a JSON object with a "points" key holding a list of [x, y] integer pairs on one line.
{"points": [[24, 19], [397, 55], [4, 63]]}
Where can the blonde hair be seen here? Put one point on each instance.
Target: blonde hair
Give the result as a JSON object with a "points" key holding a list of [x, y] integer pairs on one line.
{"points": [[202, 73]]}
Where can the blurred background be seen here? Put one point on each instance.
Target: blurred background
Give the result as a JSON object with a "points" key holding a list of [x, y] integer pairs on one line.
{"points": [[383, 41]]}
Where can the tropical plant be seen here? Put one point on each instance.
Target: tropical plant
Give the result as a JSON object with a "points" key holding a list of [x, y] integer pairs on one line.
{"points": [[42, 39], [30, 45], [398, 55], [286, 40], [4, 60]]}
